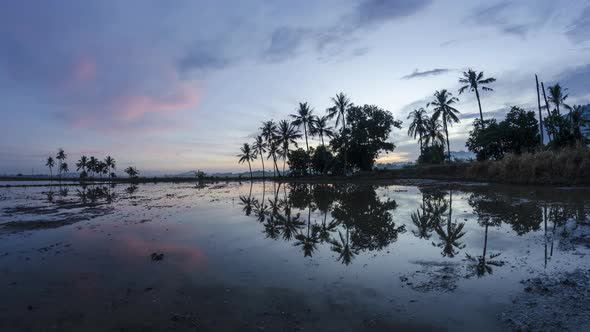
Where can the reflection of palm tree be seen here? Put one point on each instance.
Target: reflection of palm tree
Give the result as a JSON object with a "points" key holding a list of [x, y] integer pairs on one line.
{"points": [[424, 224], [450, 238], [247, 202], [309, 241], [344, 249], [442, 108], [290, 225], [481, 264]]}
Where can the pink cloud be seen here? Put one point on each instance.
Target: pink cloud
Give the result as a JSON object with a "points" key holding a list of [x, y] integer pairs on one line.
{"points": [[134, 106]]}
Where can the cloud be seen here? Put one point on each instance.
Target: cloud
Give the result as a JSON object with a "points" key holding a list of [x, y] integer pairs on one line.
{"points": [[579, 31], [511, 18], [70, 58], [432, 72], [374, 12], [285, 42]]}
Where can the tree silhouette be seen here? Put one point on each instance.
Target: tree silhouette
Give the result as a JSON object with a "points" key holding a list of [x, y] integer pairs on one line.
{"points": [[61, 157], [557, 96], [474, 81], [433, 132], [81, 165], [269, 132], [110, 164], [341, 104], [319, 127], [442, 108], [131, 171], [418, 124], [303, 117], [50, 163], [287, 135], [259, 148], [246, 155]]}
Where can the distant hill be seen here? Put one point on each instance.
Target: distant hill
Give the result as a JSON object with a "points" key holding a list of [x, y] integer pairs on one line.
{"points": [[191, 174], [462, 155]]}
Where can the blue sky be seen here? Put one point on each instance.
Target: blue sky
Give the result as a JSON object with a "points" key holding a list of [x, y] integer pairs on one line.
{"points": [[170, 86]]}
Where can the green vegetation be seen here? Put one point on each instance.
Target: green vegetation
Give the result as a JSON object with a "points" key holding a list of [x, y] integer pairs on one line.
{"points": [[363, 135]]}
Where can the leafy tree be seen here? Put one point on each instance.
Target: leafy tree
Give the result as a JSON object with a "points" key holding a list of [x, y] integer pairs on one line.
{"points": [[298, 162], [473, 81], [368, 128], [246, 155], [433, 154], [443, 109], [518, 133], [322, 159], [92, 165], [579, 122]]}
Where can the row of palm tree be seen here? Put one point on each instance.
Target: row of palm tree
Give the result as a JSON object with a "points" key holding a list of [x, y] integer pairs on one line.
{"points": [[92, 165], [276, 140], [430, 130]]}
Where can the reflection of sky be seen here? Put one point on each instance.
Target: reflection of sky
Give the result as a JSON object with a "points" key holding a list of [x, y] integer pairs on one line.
{"points": [[206, 238], [172, 87]]}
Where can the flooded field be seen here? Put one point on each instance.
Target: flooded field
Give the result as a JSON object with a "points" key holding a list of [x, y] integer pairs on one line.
{"points": [[294, 257]]}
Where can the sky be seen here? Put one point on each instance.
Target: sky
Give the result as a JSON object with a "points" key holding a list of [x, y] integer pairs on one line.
{"points": [[172, 86]]}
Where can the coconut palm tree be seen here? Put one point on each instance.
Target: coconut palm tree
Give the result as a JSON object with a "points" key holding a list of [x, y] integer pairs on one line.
{"points": [[273, 150], [442, 109], [269, 132], [82, 164], [341, 105], [131, 171], [63, 168], [259, 148], [111, 164], [50, 163], [319, 127], [418, 125], [578, 121], [303, 117], [288, 134], [92, 165], [61, 157], [474, 81], [557, 96], [246, 155], [433, 132]]}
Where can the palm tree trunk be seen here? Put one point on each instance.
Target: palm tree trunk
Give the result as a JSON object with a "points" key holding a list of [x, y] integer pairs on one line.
{"points": [[485, 242], [250, 167], [274, 157], [305, 131], [479, 104], [448, 144], [540, 115], [323, 154], [345, 143], [262, 159]]}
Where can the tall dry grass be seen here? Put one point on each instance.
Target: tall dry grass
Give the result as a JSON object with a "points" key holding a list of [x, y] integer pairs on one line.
{"points": [[569, 166]]}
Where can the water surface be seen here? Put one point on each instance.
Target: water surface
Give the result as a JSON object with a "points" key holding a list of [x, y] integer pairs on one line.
{"points": [[280, 257]]}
